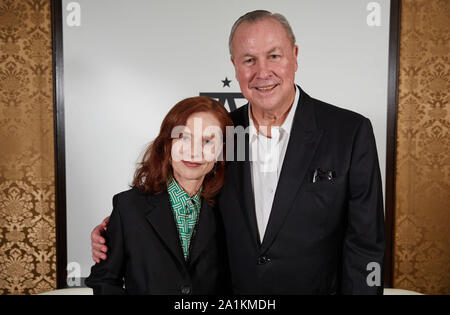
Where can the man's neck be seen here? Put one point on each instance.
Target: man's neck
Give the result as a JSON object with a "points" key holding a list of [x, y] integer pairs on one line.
{"points": [[264, 120]]}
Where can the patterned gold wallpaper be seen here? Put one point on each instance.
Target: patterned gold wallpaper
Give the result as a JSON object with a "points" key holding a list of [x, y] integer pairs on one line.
{"points": [[27, 196], [422, 223]]}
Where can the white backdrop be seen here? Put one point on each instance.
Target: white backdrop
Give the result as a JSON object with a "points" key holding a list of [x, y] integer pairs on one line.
{"points": [[127, 62]]}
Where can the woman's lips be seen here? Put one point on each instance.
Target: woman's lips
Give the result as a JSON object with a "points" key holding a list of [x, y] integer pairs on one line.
{"points": [[191, 164]]}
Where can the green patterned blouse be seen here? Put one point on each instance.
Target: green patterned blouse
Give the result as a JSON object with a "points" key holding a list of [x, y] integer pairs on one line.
{"points": [[186, 211]]}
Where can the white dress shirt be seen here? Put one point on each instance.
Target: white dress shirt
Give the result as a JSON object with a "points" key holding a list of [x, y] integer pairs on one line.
{"points": [[266, 160]]}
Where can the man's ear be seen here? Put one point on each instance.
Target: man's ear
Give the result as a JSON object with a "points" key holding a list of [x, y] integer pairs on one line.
{"points": [[296, 57]]}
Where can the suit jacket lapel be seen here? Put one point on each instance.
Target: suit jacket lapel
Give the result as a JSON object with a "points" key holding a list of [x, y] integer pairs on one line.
{"points": [[204, 231], [303, 142], [248, 196], [243, 181], [160, 217]]}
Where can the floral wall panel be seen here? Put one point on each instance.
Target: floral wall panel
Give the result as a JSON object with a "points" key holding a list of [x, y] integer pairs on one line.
{"points": [[27, 194], [422, 223]]}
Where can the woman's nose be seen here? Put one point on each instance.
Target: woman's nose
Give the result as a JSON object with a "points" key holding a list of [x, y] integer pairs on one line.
{"points": [[197, 150]]}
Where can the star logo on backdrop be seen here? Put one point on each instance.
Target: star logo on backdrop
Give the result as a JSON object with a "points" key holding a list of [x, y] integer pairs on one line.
{"points": [[225, 97], [226, 82]]}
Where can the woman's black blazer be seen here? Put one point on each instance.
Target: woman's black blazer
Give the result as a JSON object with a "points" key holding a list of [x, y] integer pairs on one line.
{"points": [[145, 254]]}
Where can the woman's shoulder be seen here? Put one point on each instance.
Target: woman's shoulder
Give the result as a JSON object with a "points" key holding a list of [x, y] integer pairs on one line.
{"points": [[132, 203], [130, 196]]}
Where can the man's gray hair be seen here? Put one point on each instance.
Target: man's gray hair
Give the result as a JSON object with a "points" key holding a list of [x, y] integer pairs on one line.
{"points": [[258, 15]]}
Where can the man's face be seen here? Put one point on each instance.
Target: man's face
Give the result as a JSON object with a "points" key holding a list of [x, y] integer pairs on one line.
{"points": [[265, 64]]}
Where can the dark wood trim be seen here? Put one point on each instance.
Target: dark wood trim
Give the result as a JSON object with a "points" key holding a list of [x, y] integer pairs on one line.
{"points": [[60, 146], [391, 143]]}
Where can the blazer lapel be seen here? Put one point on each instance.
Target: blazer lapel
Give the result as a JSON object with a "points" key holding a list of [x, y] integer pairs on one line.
{"points": [[160, 217], [302, 145], [243, 181], [204, 231], [248, 197]]}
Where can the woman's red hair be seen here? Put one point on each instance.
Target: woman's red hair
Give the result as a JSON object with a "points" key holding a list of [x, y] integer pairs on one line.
{"points": [[155, 169]]}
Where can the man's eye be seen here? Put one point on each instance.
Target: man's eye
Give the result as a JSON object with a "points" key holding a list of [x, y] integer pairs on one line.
{"points": [[274, 56], [250, 60]]}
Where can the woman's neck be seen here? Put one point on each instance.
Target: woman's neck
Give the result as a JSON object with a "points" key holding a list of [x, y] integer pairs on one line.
{"points": [[191, 187]]}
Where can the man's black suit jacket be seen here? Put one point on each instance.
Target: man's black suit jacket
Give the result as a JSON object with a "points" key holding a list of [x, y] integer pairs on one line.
{"points": [[321, 237], [144, 250]]}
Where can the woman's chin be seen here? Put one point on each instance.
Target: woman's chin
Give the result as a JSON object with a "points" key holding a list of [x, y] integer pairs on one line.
{"points": [[193, 174]]}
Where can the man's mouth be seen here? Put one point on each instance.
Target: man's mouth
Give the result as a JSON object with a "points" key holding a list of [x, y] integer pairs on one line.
{"points": [[266, 88]]}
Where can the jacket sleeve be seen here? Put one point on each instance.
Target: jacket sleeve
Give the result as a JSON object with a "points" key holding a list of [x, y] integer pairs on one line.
{"points": [[364, 241], [106, 277]]}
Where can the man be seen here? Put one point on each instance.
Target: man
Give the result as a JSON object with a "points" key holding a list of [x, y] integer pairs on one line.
{"points": [[306, 218]]}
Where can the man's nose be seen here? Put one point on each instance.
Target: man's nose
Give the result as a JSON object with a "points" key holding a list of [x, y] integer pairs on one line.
{"points": [[263, 70]]}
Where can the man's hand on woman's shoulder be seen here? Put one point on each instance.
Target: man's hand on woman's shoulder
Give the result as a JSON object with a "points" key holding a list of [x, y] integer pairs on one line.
{"points": [[99, 248]]}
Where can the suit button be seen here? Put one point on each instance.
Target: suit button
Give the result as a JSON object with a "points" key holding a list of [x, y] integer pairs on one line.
{"points": [[185, 290], [263, 260]]}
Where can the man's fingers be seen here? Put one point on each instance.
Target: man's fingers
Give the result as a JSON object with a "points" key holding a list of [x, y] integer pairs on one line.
{"points": [[99, 247], [95, 259], [97, 255], [96, 235], [105, 221], [97, 239]]}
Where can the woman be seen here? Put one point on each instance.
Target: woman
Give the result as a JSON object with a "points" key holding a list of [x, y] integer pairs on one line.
{"points": [[164, 235]]}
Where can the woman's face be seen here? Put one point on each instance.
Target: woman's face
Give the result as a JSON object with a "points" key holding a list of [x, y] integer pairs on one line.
{"points": [[196, 146]]}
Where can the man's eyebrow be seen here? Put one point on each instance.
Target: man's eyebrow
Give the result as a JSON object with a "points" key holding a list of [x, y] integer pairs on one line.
{"points": [[274, 50], [271, 51], [247, 55]]}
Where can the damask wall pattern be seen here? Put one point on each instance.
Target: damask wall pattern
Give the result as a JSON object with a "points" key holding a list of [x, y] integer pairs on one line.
{"points": [[422, 218], [27, 194]]}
